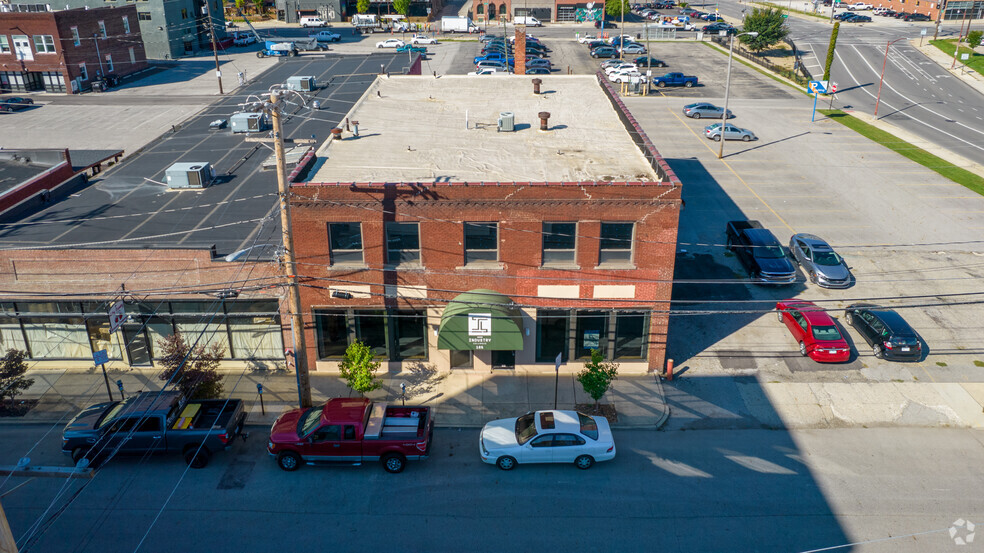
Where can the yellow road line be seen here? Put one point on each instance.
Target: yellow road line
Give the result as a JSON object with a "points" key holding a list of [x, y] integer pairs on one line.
{"points": [[733, 172]]}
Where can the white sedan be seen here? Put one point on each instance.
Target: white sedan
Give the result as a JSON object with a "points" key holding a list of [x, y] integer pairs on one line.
{"points": [[586, 39], [620, 67], [486, 71], [547, 437], [390, 43], [624, 75], [423, 39]]}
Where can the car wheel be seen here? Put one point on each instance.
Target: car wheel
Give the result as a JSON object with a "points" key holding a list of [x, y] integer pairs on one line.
{"points": [[394, 463], [584, 462], [289, 461], [717, 138], [803, 349], [688, 84], [662, 65], [505, 463], [696, 116], [78, 454], [746, 138], [197, 458], [661, 84], [876, 350], [260, 55], [779, 315]]}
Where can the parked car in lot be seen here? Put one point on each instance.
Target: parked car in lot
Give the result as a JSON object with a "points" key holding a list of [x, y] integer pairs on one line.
{"points": [[604, 52], [705, 109], [243, 39], [411, 48], [547, 437], [587, 38], [758, 250], [390, 43], [916, 17], [816, 332], [819, 261], [352, 431], [537, 70], [487, 71], [592, 44], [16, 103], [633, 48], [888, 334], [492, 64], [718, 27], [608, 25], [731, 132], [539, 62], [154, 422], [675, 79], [618, 67], [647, 61], [326, 36], [624, 75], [423, 39], [495, 56]]}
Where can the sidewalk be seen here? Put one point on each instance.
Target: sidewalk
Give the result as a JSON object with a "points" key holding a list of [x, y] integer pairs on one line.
{"points": [[459, 398]]}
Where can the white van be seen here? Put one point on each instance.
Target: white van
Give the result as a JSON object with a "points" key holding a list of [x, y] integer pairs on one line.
{"points": [[527, 20], [313, 21]]}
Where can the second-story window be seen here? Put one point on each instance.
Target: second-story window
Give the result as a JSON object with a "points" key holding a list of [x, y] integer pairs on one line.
{"points": [[402, 243], [102, 29], [126, 25], [481, 243], [76, 39], [345, 240], [44, 44], [559, 243], [615, 246]]}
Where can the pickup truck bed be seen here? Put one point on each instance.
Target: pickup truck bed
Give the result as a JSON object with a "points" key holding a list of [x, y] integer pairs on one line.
{"points": [[396, 423]]}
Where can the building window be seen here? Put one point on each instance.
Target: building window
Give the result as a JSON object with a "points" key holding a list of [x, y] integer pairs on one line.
{"points": [[143, 16], [102, 29], [4, 45], [345, 241], [370, 329], [631, 330], [551, 334], [616, 244], [332, 331], [44, 44], [394, 335], [75, 37], [83, 73], [126, 25], [559, 243], [109, 63], [481, 243], [480, 9], [410, 335], [402, 243], [591, 333], [461, 359], [133, 55]]}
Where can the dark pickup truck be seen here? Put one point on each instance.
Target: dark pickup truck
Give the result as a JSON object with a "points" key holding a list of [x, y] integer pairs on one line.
{"points": [[675, 79], [154, 422], [760, 253]]}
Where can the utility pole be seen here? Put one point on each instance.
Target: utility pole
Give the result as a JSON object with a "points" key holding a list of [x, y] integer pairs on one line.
{"points": [[215, 47], [290, 267], [7, 542], [939, 18], [960, 36]]}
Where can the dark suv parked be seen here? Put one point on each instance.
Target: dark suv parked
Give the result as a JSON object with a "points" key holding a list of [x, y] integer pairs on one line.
{"points": [[889, 336]]}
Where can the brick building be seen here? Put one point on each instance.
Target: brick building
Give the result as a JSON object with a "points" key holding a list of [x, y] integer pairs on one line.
{"points": [[440, 240], [64, 51]]}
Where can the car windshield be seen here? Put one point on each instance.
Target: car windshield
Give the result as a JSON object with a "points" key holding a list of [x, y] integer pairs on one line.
{"points": [[309, 422], [110, 415], [589, 426], [770, 252], [525, 428], [826, 332], [826, 258]]}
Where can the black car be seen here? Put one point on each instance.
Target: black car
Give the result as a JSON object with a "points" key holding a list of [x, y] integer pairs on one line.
{"points": [[858, 19], [889, 336], [916, 17], [900, 15], [718, 27], [537, 70], [604, 52], [15, 103], [592, 44], [888, 13], [608, 25], [647, 61]]}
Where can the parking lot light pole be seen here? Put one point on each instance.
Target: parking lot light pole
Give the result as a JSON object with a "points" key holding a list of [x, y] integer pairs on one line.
{"points": [[727, 86], [882, 78]]}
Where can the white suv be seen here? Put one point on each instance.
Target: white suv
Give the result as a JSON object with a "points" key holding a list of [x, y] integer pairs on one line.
{"points": [[313, 21]]}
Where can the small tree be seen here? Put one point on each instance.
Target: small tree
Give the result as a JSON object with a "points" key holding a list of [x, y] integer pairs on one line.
{"points": [[258, 6], [198, 378], [240, 6], [974, 38], [597, 376], [770, 26], [12, 369], [362, 6], [401, 7], [359, 366], [830, 51], [615, 8]]}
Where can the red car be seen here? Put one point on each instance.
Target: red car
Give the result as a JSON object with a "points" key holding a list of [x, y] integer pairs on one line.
{"points": [[818, 335]]}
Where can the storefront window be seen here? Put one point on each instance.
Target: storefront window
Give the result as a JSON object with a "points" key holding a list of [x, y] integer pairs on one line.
{"points": [[461, 359], [370, 329], [332, 332], [57, 338], [551, 334], [256, 338], [411, 335], [592, 333], [631, 330], [101, 338], [11, 335]]}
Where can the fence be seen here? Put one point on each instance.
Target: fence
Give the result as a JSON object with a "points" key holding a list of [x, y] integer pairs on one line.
{"points": [[800, 74]]}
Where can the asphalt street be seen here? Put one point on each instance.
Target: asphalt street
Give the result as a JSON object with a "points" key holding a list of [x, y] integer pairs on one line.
{"points": [[736, 491]]}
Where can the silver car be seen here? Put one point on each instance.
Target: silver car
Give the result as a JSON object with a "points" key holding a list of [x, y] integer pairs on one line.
{"points": [[731, 132], [705, 109], [819, 261]]}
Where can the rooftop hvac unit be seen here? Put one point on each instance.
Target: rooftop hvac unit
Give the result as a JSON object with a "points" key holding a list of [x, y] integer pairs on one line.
{"points": [[302, 84], [507, 122], [248, 122], [197, 174]]}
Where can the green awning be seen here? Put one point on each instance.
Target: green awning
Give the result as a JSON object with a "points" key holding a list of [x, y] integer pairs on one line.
{"points": [[481, 319]]}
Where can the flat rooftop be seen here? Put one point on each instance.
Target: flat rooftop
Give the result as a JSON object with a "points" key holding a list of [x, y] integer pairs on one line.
{"points": [[413, 129]]}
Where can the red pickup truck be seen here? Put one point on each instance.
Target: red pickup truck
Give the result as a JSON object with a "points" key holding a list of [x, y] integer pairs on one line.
{"points": [[352, 430]]}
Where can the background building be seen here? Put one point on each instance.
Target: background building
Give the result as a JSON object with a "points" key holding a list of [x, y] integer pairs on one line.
{"points": [[442, 241], [64, 51]]}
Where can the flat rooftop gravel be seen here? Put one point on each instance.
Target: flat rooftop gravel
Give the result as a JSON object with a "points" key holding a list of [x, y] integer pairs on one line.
{"points": [[413, 129]]}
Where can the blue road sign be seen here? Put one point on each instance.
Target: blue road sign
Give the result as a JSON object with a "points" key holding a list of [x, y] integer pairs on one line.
{"points": [[100, 357]]}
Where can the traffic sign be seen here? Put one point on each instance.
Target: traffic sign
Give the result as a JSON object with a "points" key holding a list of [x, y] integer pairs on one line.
{"points": [[819, 87], [100, 357], [833, 88], [117, 314]]}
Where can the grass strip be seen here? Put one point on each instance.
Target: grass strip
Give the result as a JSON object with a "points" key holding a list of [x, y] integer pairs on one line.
{"points": [[976, 61], [961, 176]]}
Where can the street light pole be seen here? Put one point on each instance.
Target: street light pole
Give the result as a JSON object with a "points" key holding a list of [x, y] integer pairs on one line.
{"points": [[727, 87], [882, 79]]}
